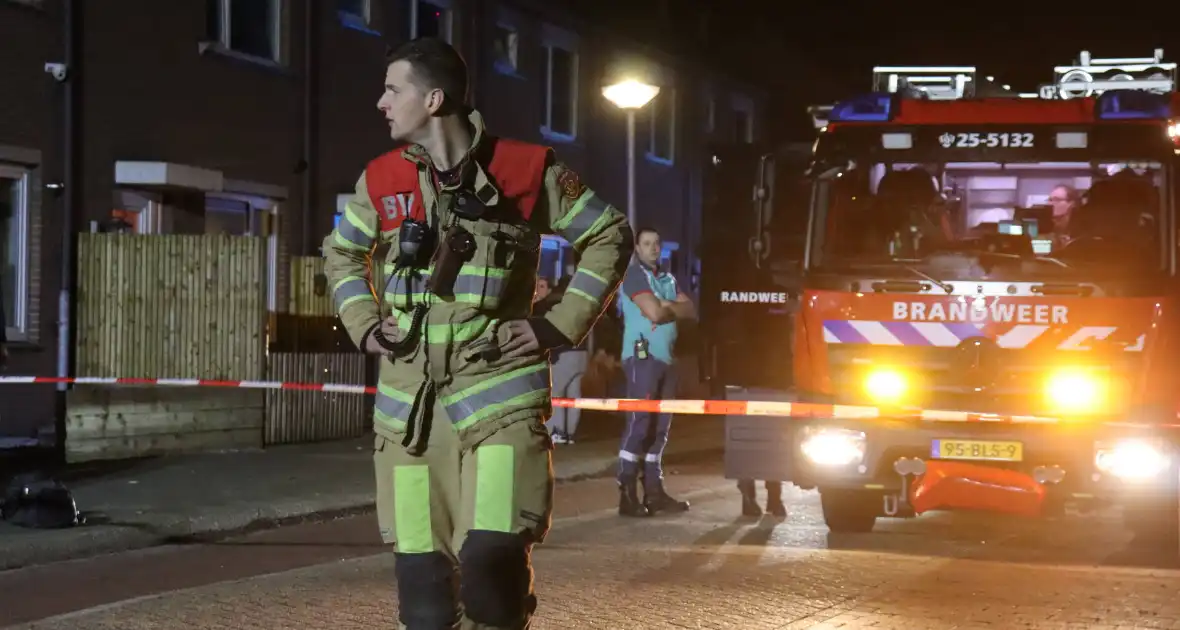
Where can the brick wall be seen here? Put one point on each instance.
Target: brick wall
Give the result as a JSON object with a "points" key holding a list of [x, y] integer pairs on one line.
{"points": [[151, 93]]}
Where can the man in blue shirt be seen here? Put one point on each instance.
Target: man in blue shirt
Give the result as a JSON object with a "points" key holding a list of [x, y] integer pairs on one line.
{"points": [[652, 303]]}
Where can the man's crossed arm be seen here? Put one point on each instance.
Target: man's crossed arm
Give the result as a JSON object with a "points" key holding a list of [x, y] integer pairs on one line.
{"points": [[658, 310]]}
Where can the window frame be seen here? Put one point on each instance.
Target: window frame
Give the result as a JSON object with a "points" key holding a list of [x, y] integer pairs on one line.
{"points": [[508, 20], [653, 120], [448, 23], [277, 28], [565, 253], [23, 215], [710, 113], [553, 37], [361, 22], [667, 249]]}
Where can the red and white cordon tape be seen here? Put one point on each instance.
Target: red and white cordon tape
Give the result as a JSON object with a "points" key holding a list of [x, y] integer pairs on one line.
{"points": [[688, 407], [789, 409]]}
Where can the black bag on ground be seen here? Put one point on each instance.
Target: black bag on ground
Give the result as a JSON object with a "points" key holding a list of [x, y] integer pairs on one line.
{"points": [[36, 502]]}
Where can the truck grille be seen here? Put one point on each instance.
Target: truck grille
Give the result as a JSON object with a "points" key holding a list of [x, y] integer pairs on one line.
{"points": [[938, 384]]}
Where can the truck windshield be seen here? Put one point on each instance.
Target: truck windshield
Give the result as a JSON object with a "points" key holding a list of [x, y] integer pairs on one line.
{"points": [[1049, 216]]}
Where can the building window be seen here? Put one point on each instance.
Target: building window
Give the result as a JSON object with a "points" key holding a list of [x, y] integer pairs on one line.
{"points": [[558, 259], [507, 49], [670, 256], [14, 249], [432, 18], [743, 120], [560, 114], [140, 211], [711, 115], [741, 126], [506, 42], [662, 120], [228, 216], [355, 14], [249, 27]]}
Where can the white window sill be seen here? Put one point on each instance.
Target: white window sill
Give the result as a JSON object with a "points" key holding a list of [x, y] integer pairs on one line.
{"points": [[504, 68], [562, 138], [655, 159], [36, 5], [217, 48], [356, 23], [16, 336]]}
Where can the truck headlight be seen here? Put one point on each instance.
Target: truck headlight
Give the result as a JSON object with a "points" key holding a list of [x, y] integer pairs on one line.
{"points": [[1073, 390], [886, 385], [833, 447], [1131, 459]]}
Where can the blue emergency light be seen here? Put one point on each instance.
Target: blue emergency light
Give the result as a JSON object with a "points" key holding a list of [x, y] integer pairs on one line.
{"points": [[1133, 105], [872, 107]]}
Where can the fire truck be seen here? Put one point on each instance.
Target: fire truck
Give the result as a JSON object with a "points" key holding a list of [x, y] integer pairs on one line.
{"points": [[967, 294]]}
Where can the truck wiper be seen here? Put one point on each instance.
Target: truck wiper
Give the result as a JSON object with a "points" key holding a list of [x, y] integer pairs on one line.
{"points": [[911, 286], [938, 283], [1063, 288]]}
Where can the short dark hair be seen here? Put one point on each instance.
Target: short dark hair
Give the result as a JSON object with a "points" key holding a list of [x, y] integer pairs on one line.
{"points": [[644, 230], [435, 65]]}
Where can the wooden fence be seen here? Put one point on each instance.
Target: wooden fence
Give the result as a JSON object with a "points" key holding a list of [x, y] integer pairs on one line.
{"points": [[167, 306], [311, 296], [194, 306], [310, 345], [305, 416], [174, 306]]}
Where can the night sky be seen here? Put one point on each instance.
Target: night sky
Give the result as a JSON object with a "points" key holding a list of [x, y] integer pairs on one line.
{"points": [[833, 46]]}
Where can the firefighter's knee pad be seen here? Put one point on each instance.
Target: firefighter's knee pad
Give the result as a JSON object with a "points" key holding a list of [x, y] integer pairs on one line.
{"points": [[426, 591], [497, 585]]}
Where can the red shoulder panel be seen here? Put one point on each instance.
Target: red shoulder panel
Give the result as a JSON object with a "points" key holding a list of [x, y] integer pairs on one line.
{"points": [[519, 170], [393, 188]]}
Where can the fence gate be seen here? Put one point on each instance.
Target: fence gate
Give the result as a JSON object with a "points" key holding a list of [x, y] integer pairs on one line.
{"points": [[294, 416]]}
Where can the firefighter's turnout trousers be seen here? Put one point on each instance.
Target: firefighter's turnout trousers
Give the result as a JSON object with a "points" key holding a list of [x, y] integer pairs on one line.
{"points": [[464, 481]]}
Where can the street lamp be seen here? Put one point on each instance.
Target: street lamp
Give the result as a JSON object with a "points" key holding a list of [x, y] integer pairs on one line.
{"points": [[630, 95]]}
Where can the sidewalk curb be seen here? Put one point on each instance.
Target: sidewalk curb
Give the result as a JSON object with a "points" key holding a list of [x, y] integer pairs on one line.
{"points": [[116, 538]]}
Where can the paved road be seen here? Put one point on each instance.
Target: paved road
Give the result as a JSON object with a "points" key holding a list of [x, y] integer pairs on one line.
{"points": [[709, 569]]}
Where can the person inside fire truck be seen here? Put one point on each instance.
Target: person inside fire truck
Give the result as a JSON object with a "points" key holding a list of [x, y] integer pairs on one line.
{"points": [[910, 216], [1118, 214], [1064, 199]]}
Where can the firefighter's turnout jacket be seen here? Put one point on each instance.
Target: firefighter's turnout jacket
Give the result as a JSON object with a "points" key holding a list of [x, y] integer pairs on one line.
{"points": [[530, 194]]}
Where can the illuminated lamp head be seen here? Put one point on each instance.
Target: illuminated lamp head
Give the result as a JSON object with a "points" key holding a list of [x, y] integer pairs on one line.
{"points": [[1132, 105], [872, 107]]}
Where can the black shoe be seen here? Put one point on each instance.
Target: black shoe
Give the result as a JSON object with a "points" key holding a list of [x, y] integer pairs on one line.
{"points": [[629, 503], [750, 506], [659, 501], [749, 492], [774, 499]]}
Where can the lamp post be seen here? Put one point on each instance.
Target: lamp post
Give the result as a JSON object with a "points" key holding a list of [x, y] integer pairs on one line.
{"points": [[630, 95]]}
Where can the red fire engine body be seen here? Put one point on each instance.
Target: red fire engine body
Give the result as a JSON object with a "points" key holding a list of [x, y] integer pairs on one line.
{"points": [[1012, 260]]}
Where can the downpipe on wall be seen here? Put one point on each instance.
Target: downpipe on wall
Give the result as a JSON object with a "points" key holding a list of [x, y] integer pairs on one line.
{"points": [[70, 76], [310, 123]]}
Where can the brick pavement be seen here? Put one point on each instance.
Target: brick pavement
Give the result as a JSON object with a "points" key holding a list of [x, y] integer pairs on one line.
{"points": [[711, 570]]}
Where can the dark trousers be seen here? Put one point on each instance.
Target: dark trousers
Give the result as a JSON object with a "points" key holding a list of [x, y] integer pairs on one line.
{"points": [[747, 487], [646, 434]]}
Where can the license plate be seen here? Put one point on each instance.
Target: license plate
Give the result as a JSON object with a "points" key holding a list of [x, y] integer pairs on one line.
{"points": [[977, 450]]}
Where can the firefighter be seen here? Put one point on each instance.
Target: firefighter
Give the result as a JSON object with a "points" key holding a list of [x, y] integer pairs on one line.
{"points": [[462, 458]]}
